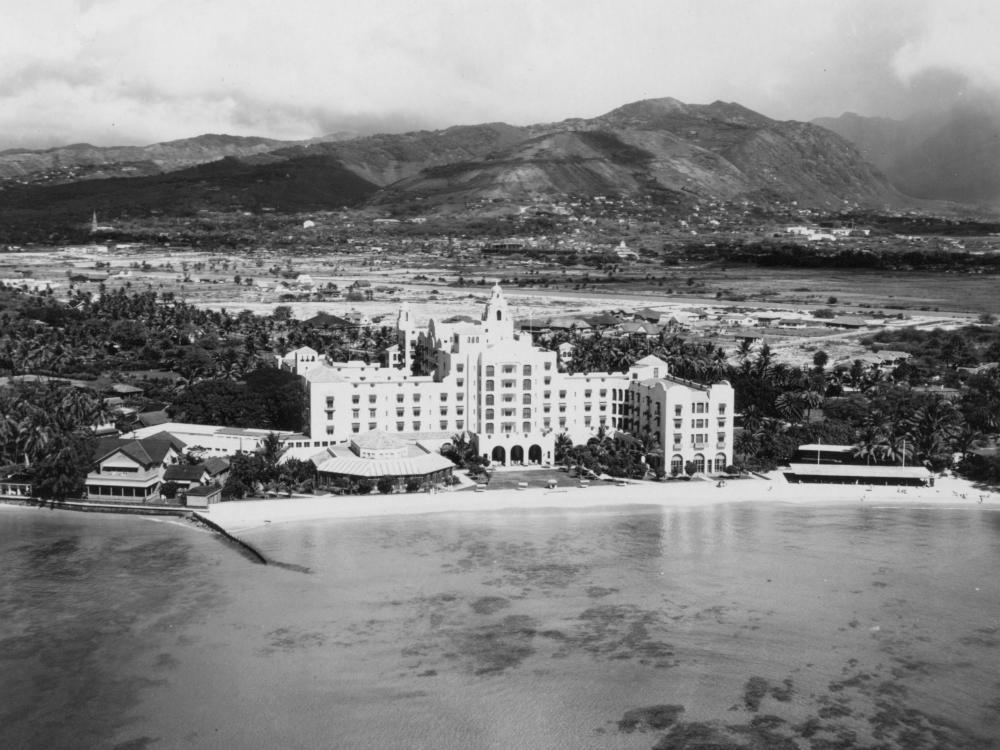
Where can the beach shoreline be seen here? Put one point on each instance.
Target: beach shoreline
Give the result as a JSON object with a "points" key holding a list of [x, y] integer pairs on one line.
{"points": [[246, 515]]}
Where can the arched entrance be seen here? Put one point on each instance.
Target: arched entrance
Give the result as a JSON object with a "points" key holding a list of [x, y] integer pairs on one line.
{"points": [[499, 455], [517, 455], [699, 462], [535, 454], [676, 464], [720, 461]]}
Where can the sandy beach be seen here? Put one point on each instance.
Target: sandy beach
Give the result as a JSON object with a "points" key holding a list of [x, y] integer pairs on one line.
{"points": [[948, 492]]}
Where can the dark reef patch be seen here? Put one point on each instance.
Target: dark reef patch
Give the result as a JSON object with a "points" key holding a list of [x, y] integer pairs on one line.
{"points": [[650, 717], [499, 646], [597, 592], [488, 605]]}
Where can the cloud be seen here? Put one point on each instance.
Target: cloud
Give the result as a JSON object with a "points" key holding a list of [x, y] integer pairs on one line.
{"points": [[956, 37], [135, 71]]}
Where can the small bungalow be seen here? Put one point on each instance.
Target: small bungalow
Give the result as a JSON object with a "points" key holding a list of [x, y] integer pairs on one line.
{"points": [[186, 475], [202, 496]]}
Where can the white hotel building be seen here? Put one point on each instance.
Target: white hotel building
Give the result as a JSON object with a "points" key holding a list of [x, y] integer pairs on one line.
{"points": [[491, 381]]}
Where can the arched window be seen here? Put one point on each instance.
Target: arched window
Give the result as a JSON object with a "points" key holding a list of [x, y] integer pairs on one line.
{"points": [[489, 385], [489, 414], [489, 399], [499, 314], [489, 371], [676, 464]]}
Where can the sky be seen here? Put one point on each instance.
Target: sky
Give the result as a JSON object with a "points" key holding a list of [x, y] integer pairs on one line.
{"points": [[124, 72]]}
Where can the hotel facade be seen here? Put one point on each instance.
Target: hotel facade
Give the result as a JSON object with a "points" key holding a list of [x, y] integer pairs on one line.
{"points": [[491, 381]]}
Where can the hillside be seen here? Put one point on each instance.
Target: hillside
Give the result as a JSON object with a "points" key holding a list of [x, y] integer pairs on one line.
{"points": [[951, 156], [384, 159], [662, 146], [663, 149], [83, 161], [307, 182]]}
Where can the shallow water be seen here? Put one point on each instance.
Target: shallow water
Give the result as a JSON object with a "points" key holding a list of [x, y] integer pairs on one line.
{"points": [[762, 626]]}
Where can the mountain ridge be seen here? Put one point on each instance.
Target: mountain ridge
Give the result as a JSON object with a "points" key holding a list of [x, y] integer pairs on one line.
{"points": [[661, 148]]}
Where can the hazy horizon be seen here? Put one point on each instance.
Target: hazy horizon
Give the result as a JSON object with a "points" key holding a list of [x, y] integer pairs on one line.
{"points": [[135, 72]]}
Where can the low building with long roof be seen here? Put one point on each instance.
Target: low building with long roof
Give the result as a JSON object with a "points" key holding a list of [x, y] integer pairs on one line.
{"points": [[376, 454], [836, 464]]}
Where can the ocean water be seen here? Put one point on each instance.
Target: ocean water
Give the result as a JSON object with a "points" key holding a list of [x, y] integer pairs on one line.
{"points": [[732, 626]]}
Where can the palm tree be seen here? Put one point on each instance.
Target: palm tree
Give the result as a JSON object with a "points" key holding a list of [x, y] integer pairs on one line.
{"points": [[896, 449], [271, 450], [563, 445], [743, 352], [934, 426], [790, 406]]}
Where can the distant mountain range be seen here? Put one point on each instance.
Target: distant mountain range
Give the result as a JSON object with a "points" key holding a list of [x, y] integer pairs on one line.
{"points": [[953, 155], [674, 152]]}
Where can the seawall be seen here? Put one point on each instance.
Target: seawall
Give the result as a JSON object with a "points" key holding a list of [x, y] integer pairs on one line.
{"points": [[142, 510]]}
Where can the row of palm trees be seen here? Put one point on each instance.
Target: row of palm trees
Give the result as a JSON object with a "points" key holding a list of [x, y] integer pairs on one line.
{"points": [[34, 417], [777, 401], [117, 329]]}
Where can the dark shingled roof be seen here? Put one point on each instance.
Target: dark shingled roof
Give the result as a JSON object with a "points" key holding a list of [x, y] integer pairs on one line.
{"points": [[184, 473], [216, 465], [151, 418], [326, 320], [146, 452]]}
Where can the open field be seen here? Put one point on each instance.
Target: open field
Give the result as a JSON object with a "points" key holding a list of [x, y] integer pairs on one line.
{"points": [[207, 279]]}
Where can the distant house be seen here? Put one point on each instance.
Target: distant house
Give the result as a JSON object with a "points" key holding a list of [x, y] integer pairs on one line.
{"points": [[327, 320], [185, 475], [217, 469], [652, 316], [602, 320], [847, 321], [153, 418], [737, 319], [124, 390], [637, 328], [570, 324], [130, 470], [357, 319], [204, 480], [625, 253], [766, 320]]}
